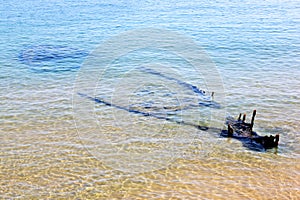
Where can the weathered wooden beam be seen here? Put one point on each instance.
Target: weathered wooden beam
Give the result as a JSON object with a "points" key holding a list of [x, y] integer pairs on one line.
{"points": [[252, 120], [244, 132], [230, 130], [240, 115], [244, 117]]}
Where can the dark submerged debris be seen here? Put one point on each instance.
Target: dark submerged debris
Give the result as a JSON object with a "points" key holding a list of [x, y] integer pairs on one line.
{"points": [[237, 129], [205, 100], [243, 131]]}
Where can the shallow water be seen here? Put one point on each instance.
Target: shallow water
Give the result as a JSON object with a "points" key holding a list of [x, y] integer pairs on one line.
{"points": [[46, 153]]}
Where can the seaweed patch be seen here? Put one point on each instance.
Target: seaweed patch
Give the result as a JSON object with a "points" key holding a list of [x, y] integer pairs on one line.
{"points": [[51, 58]]}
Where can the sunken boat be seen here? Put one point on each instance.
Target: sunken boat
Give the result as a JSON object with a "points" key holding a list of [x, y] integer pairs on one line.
{"points": [[243, 131]]}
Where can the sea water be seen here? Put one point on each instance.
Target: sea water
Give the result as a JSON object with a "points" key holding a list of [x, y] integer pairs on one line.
{"points": [[47, 153]]}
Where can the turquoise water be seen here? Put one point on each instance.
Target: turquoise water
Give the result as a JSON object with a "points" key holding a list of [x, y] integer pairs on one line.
{"points": [[255, 47]]}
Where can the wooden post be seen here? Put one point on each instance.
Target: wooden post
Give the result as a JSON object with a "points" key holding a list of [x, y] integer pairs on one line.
{"points": [[230, 131], [244, 117], [276, 139], [252, 120], [240, 115]]}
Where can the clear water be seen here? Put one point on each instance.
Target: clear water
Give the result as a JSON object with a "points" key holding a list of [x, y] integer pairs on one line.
{"points": [[255, 46]]}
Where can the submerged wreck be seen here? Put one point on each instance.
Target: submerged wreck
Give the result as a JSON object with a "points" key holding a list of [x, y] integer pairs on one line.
{"points": [[238, 129], [243, 131]]}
